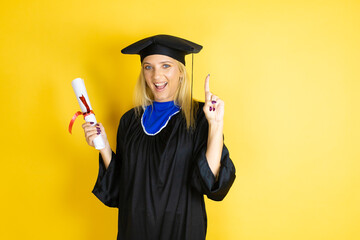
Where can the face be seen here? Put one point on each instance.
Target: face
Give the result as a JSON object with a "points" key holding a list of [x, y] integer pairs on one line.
{"points": [[162, 76]]}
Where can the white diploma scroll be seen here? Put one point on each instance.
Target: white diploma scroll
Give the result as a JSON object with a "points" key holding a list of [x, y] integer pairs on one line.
{"points": [[84, 102]]}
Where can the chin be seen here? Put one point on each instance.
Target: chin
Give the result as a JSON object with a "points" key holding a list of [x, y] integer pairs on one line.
{"points": [[162, 99]]}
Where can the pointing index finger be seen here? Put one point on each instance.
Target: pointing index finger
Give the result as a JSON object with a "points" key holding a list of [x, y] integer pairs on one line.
{"points": [[207, 88]]}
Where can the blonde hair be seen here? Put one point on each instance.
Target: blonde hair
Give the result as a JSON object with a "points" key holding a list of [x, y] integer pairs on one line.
{"points": [[143, 96]]}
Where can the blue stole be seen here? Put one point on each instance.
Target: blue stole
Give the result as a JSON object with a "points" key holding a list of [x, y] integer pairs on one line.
{"points": [[156, 116]]}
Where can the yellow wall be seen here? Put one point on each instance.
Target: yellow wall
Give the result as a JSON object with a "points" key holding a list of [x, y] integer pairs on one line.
{"points": [[287, 70]]}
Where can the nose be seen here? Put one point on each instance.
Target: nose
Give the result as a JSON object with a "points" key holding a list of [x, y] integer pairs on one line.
{"points": [[156, 73]]}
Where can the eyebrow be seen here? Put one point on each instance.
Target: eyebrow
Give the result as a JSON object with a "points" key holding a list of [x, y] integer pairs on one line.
{"points": [[160, 62]]}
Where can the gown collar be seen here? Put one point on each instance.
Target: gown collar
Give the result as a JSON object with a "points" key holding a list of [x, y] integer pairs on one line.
{"points": [[157, 116]]}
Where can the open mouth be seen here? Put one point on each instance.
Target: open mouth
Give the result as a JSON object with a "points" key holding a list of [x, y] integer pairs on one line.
{"points": [[160, 86]]}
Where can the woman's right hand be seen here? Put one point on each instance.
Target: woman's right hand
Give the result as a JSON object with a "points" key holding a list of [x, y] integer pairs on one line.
{"points": [[91, 132]]}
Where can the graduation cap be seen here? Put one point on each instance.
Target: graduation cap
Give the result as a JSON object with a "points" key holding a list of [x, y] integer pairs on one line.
{"points": [[167, 45]]}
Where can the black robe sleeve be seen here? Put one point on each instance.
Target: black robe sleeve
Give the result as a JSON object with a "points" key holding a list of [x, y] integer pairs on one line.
{"points": [[107, 185], [203, 180]]}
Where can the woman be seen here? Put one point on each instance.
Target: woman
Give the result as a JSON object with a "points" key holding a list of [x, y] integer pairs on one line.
{"points": [[169, 152]]}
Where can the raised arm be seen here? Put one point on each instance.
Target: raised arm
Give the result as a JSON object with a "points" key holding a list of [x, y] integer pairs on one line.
{"points": [[214, 112]]}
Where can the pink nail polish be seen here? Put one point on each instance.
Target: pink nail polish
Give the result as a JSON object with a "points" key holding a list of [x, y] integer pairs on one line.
{"points": [[213, 102]]}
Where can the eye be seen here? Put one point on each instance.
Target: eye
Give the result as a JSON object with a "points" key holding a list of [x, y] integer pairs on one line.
{"points": [[147, 67], [166, 66]]}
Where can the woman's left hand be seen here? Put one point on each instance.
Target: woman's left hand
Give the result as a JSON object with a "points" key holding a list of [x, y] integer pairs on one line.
{"points": [[214, 106]]}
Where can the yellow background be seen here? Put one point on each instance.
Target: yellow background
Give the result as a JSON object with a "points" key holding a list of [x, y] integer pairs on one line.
{"points": [[288, 72]]}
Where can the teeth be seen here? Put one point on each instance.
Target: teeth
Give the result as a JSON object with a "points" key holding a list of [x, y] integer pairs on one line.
{"points": [[160, 84]]}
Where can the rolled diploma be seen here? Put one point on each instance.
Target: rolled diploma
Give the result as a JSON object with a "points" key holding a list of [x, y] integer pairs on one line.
{"points": [[80, 90]]}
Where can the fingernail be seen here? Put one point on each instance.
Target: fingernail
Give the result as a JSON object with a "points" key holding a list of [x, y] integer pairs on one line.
{"points": [[97, 124], [98, 133], [213, 102], [213, 109], [98, 128], [91, 122], [210, 109]]}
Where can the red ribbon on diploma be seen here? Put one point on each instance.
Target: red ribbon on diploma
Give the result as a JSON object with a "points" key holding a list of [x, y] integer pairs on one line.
{"points": [[88, 112]]}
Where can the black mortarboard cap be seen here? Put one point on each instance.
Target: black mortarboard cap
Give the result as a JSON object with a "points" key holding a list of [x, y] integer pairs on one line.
{"points": [[167, 45]]}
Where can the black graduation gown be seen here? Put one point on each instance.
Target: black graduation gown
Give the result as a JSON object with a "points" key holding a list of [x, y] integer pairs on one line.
{"points": [[158, 182]]}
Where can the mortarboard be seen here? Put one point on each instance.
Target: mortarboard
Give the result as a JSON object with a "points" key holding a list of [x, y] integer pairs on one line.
{"points": [[167, 45]]}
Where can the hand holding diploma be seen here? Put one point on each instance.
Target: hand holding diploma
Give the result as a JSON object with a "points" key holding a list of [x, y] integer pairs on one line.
{"points": [[94, 131]]}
